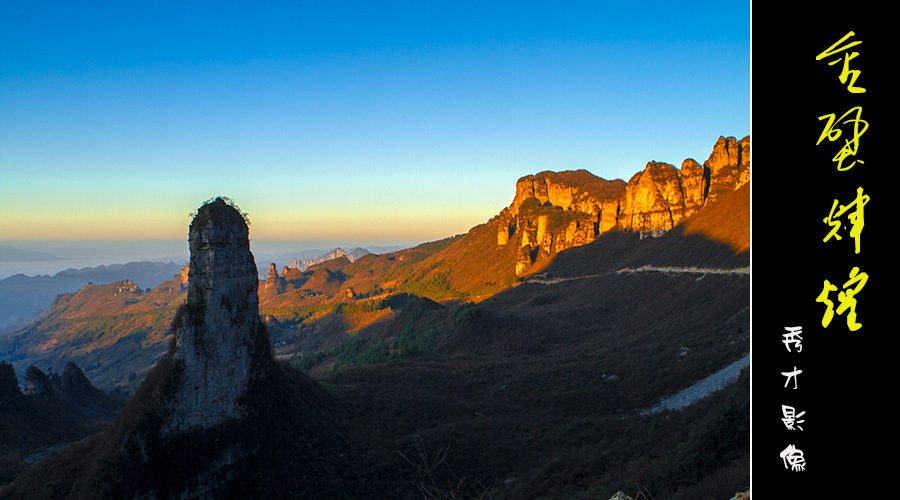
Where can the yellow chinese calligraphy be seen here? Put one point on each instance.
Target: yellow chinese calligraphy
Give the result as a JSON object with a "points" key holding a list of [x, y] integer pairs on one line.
{"points": [[847, 299], [853, 74], [851, 146], [856, 218]]}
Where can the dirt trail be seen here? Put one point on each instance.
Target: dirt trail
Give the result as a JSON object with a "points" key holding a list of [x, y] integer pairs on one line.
{"points": [[544, 280]]}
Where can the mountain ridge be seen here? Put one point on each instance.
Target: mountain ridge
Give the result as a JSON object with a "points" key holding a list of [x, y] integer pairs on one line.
{"points": [[339, 295], [22, 297]]}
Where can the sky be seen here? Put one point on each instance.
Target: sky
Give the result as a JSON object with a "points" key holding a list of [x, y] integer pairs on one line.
{"points": [[370, 122]]}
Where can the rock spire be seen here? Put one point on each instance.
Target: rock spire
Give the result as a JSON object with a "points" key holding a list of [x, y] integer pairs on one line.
{"points": [[220, 342]]}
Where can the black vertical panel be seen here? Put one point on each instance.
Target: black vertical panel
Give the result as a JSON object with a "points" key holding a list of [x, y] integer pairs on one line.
{"points": [[846, 382]]}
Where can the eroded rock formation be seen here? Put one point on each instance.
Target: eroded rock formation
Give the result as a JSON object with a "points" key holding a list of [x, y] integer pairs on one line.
{"points": [[652, 202], [219, 338], [274, 283], [729, 166]]}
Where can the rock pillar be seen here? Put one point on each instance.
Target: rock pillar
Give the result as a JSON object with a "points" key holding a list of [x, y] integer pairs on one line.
{"points": [[218, 333]]}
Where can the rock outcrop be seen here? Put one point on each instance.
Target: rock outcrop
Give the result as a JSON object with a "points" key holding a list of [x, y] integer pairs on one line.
{"points": [[578, 190], [652, 202], [124, 287], [9, 384], [729, 166], [70, 389], [661, 196], [695, 186], [220, 342], [185, 271], [274, 283], [38, 383], [291, 273], [553, 211]]}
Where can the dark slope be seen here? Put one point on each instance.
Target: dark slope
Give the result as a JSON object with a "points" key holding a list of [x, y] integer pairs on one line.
{"points": [[288, 447], [62, 408], [537, 391]]}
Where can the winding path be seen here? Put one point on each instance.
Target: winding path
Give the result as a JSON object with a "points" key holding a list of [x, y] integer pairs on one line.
{"points": [[542, 279]]}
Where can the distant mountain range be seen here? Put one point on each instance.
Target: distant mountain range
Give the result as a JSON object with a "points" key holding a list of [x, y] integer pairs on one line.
{"points": [[304, 264], [21, 297], [308, 257]]}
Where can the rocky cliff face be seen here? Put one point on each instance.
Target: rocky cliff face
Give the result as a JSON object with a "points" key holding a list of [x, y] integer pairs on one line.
{"points": [[591, 204], [577, 190], [661, 196], [652, 202], [729, 166], [219, 338]]}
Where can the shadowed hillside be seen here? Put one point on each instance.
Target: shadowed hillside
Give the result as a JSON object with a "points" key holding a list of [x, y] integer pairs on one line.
{"points": [[55, 409], [562, 368], [537, 391]]}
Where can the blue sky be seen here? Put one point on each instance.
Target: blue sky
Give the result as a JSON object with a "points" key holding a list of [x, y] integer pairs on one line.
{"points": [[369, 121]]}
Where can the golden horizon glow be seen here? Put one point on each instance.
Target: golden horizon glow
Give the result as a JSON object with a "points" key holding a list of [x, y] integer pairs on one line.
{"points": [[373, 225]]}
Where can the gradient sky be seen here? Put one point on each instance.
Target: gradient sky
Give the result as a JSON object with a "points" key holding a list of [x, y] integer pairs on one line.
{"points": [[363, 121]]}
